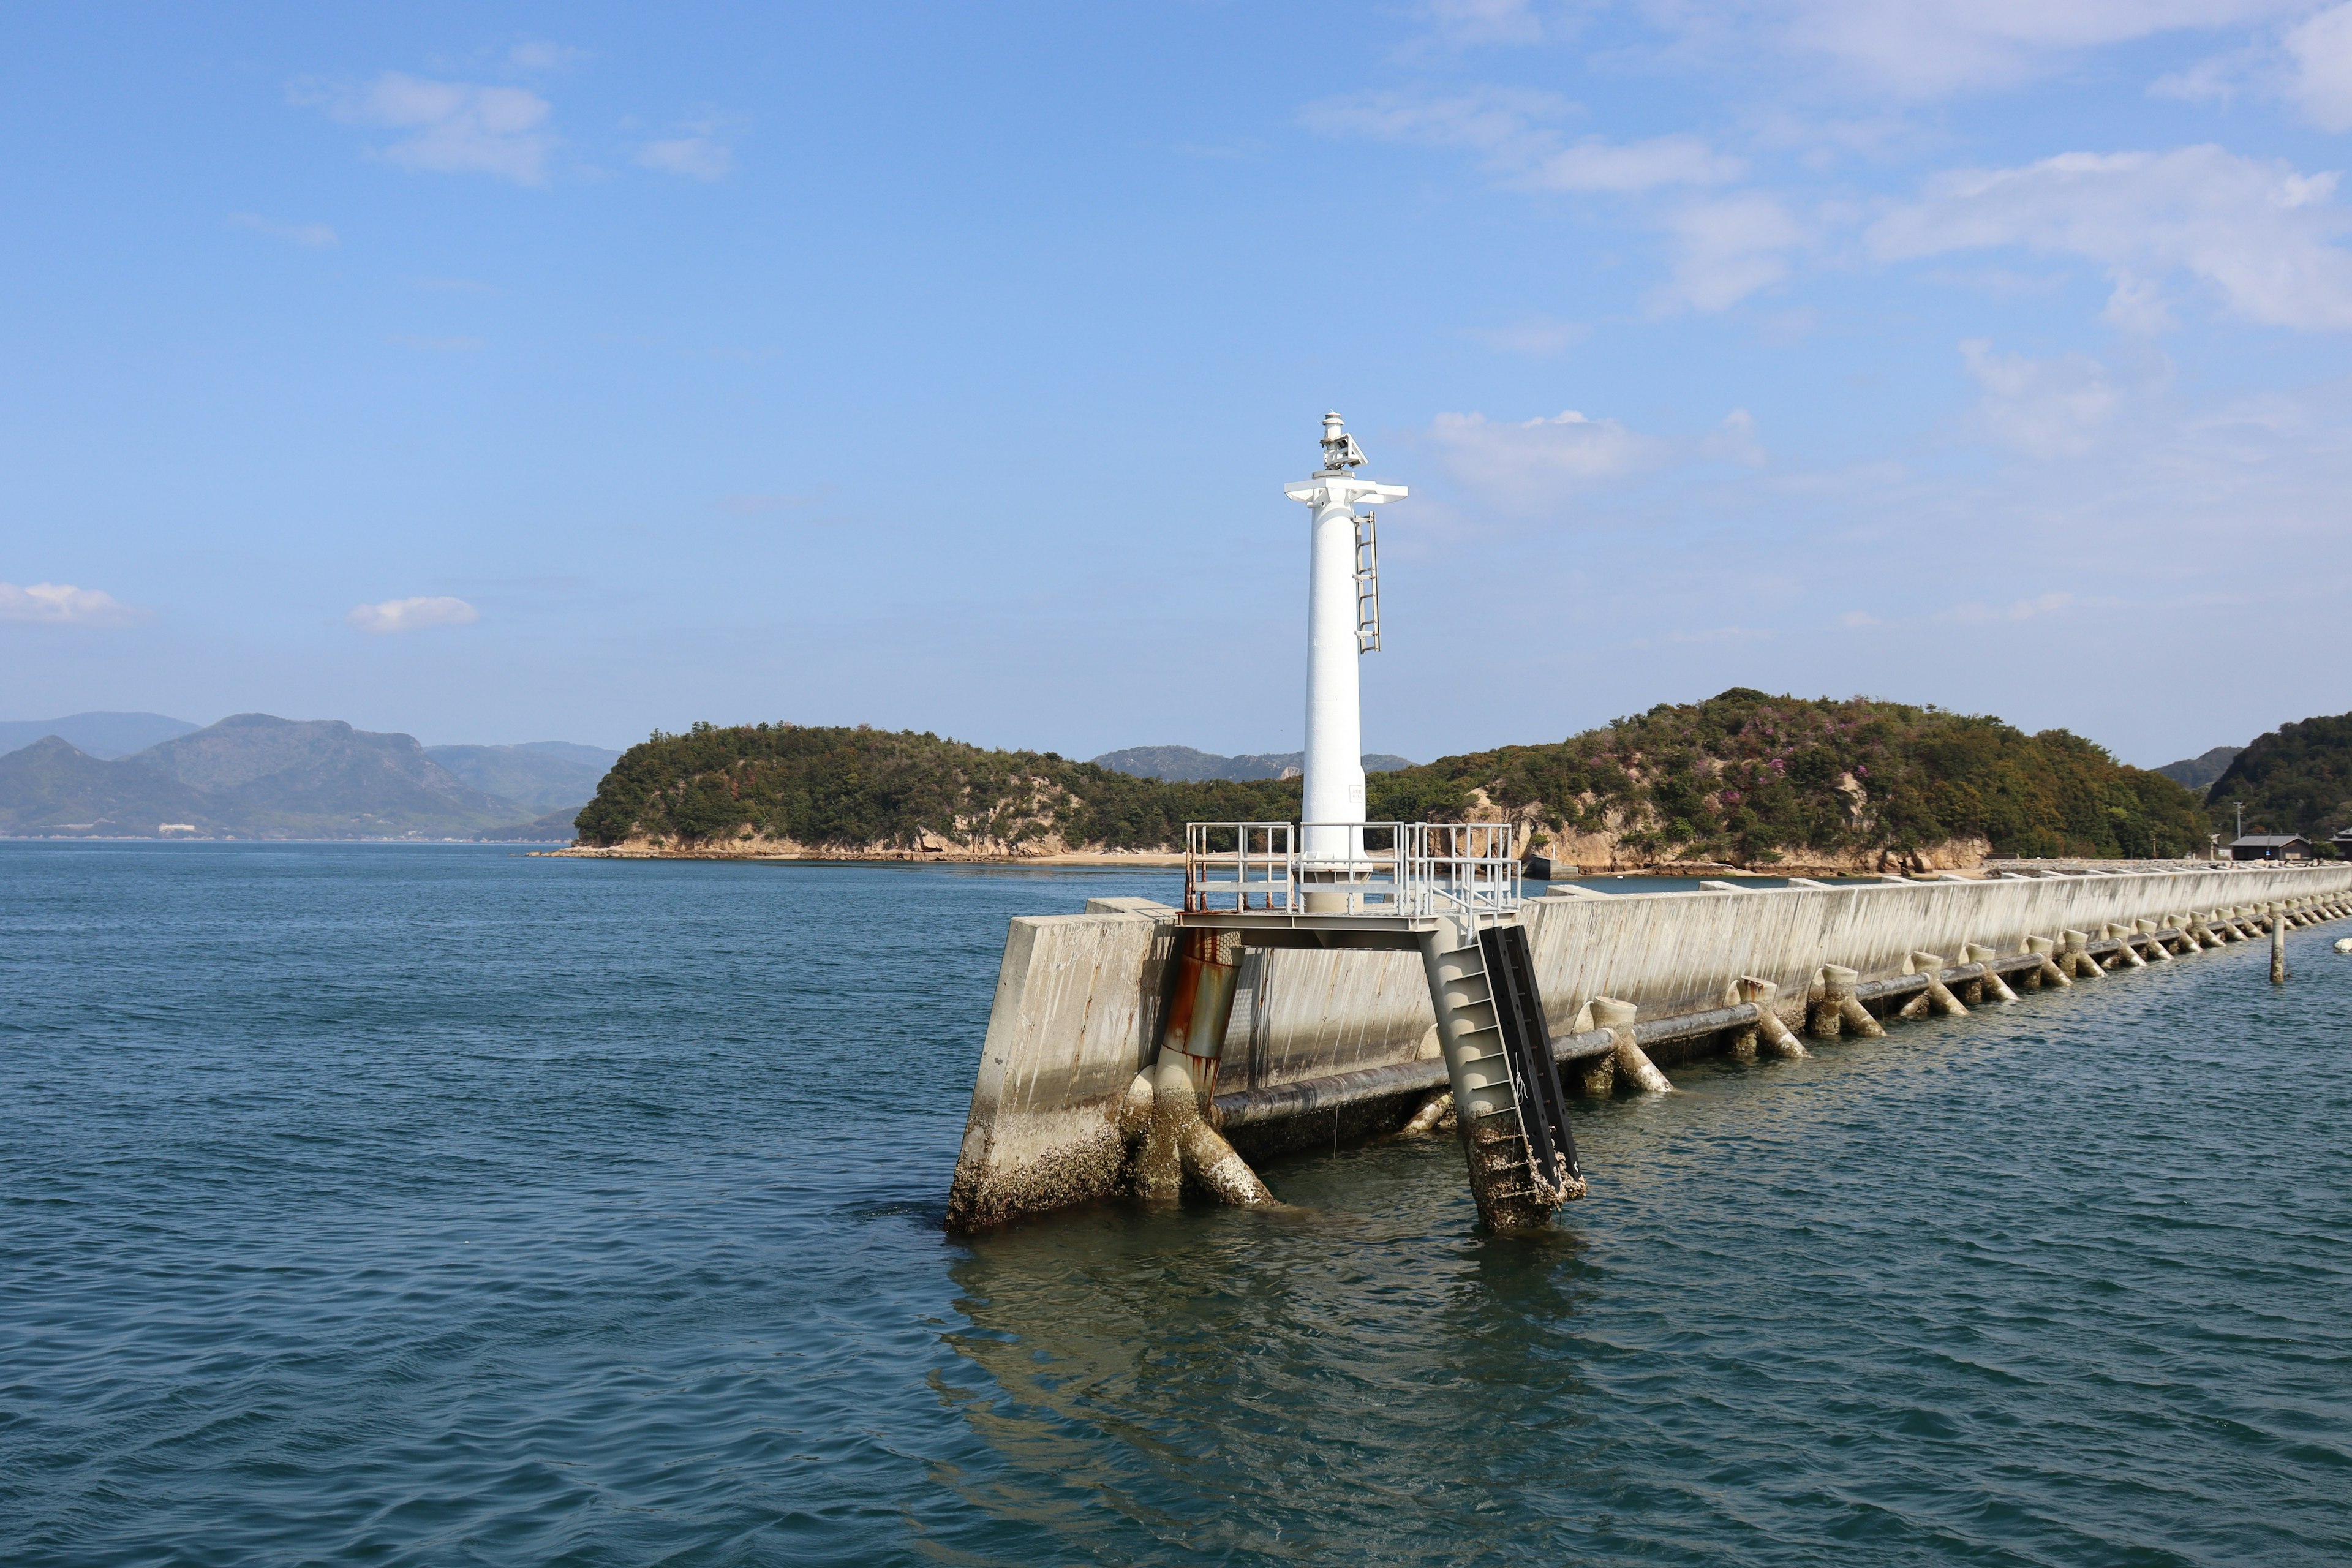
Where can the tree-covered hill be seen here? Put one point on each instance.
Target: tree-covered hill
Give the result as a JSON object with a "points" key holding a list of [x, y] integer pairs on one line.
{"points": [[1742, 778], [2296, 779], [866, 789]]}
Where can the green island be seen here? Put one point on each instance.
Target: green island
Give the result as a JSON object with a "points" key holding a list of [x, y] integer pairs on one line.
{"points": [[1743, 778]]}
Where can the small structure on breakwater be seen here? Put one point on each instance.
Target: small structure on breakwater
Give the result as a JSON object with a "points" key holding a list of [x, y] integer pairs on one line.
{"points": [[1339, 979]]}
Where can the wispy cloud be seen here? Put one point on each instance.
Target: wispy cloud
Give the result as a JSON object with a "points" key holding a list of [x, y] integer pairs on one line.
{"points": [[1934, 48], [699, 153], [412, 614], [2045, 408], [448, 127], [2256, 232], [2309, 65], [539, 55], [1726, 250], [314, 236], [1595, 163], [1515, 133], [696, 157], [1470, 22], [1526, 463], [62, 603]]}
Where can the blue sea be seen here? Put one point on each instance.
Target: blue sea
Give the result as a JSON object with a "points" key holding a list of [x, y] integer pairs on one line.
{"points": [[443, 1205]]}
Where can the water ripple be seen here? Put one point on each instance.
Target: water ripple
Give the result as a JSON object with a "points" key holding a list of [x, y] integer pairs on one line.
{"points": [[438, 1206]]}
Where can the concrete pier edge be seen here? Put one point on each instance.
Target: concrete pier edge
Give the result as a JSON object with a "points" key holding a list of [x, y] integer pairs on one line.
{"points": [[1325, 1047]]}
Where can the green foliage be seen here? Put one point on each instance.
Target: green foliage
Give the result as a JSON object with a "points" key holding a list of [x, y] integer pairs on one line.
{"points": [[2296, 779], [845, 788], [1743, 777]]}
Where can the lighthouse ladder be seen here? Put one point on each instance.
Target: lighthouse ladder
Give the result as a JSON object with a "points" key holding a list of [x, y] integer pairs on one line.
{"points": [[1368, 583]]}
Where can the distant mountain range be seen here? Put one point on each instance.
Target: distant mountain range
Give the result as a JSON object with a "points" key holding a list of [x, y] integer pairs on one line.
{"points": [[105, 735], [1183, 764], [542, 774], [2198, 772], [255, 776]]}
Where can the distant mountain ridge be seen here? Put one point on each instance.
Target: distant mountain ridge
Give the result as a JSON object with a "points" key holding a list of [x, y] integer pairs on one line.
{"points": [[1183, 764], [256, 777], [545, 774], [2199, 772], [102, 735]]}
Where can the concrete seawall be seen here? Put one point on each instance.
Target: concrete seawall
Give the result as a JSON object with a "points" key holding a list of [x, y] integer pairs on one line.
{"points": [[1079, 1001]]}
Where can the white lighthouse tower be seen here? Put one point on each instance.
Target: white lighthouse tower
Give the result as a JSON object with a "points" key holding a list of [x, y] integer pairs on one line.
{"points": [[1342, 624]]}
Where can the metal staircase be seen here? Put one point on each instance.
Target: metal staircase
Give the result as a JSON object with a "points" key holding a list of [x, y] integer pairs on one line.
{"points": [[1507, 1100], [1535, 1070]]}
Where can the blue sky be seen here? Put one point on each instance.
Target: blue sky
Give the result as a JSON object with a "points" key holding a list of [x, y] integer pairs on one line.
{"points": [[497, 373]]}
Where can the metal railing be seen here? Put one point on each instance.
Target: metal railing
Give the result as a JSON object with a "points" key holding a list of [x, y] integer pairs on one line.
{"points": [[1409, 870]]}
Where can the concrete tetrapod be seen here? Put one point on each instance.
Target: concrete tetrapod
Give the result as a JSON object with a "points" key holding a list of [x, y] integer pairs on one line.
{"points": [[1631, 1061], [2128, 953], [2047, 973], [1767, 1033], [2074, 957], [1432, 1115], [1832, 1008], [1937, 997], [1989, 984]]}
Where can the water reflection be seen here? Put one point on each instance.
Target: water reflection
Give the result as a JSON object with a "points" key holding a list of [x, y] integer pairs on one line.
{"points": [[1359, 1369]]}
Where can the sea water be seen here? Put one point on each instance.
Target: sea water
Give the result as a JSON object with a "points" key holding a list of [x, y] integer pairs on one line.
{"points": [[441, 1205]]}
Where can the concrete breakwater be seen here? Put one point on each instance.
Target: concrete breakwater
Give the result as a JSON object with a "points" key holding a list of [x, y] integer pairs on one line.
{"points": [[1328, 1046]]}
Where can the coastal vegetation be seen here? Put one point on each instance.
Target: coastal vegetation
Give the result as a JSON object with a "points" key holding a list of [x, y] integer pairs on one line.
{"points": [[2296, 779], [1742, 778]]}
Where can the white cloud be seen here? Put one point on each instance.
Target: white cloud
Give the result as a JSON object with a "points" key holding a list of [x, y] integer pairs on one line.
{"points": [[696, 157], [1514, 129], [539, 55], [1526, 463], [314, 236], [1484, 21], [1924, 49], [1593, 164], [452, 127], [62, 603], [1507, 123], [2320, 53], [2260, 235], [412, 614], [1726, 250], [1735, 441], [2046, 408], [2309, 65]]}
